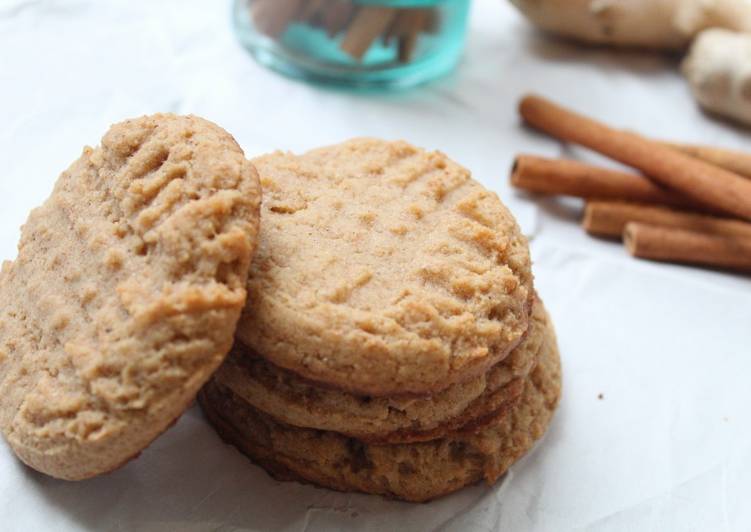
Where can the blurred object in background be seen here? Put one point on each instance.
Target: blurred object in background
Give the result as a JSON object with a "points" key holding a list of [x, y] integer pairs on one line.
{"points": [[718, 32], [649, 24], [355, 43]]}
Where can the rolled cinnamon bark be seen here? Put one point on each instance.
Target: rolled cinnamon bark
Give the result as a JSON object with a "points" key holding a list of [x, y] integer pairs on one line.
{"points": [[405, 22], [311, 10], [609, 218], [412, 24], [705, 183], [668, 244], [572, 178], [733, 160], [432, 20], [272, 17], [368, 23], [337, 15]]}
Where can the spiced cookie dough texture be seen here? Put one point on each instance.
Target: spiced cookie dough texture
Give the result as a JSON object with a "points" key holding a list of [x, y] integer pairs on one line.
{"points": [[392, 342], [384, 269], [414, 472], [125, 293], [401, 419]]}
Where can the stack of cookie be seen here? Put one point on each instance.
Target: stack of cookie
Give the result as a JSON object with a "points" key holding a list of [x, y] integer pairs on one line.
{"points": [[392, 342]]}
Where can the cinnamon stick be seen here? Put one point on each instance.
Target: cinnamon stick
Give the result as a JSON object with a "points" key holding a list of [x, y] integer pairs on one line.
{"points": [[368, 23], [414, 20], [405, 22], [679, 245], [432, 20], [272, 17], [732, 160], [337, 16], [573, 178], [707, 184], [609, 218], [362, 24], [311, 10]]}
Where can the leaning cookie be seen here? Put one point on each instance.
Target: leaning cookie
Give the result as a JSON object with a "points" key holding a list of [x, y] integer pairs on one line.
{"points": [[414, 472], [402, 419], [125, 294], [384, 269]]}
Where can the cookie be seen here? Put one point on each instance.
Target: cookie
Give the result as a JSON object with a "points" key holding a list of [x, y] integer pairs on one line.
{"points": [[125, 293], [384, 269], [413, 472], [302, 403]]}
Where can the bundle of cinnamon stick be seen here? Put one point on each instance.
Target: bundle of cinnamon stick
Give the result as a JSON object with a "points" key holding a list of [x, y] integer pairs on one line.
{"points": [[360, 25], [688, 204]]}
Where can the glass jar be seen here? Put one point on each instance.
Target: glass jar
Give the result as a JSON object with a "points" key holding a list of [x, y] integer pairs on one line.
{"points": [[355, 43]]}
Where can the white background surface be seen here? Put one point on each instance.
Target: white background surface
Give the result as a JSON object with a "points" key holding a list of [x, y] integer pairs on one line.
{"points": [[667, 448]]}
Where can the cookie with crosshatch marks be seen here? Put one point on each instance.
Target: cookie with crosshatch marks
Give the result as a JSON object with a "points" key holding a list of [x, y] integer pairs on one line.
{"points": [[384, 269], [125, 293]]}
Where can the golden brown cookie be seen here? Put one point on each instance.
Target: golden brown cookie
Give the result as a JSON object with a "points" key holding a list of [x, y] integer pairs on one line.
{"points": [[303, 403], [125, 293], [414, 472], [384, 269]]}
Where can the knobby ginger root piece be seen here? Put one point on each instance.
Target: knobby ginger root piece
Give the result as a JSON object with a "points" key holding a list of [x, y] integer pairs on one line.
{"points": [[718, 68], [659, 24]]}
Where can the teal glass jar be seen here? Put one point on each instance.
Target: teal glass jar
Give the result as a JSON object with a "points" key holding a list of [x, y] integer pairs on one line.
{"points": [[355, 43]]}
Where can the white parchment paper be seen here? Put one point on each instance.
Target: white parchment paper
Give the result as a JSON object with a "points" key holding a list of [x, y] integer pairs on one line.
{"points": [[668, 447]]}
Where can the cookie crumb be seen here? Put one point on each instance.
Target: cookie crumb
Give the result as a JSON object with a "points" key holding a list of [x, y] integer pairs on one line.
{"points": [[368, 218], [114, 258], [88, 293], [416, 211], [60, 319], [400, 230]]}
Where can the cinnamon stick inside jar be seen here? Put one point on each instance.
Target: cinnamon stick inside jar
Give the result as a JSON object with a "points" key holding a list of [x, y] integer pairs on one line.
{"points": [[573, 178], [704, 183], [367, 25], [361, 26], [336, 15], [609, 218], [679, 245], [272, 17]]}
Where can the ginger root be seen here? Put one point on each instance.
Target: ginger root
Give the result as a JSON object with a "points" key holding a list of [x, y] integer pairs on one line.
{"points": [[659, 24], [718, 68]]}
